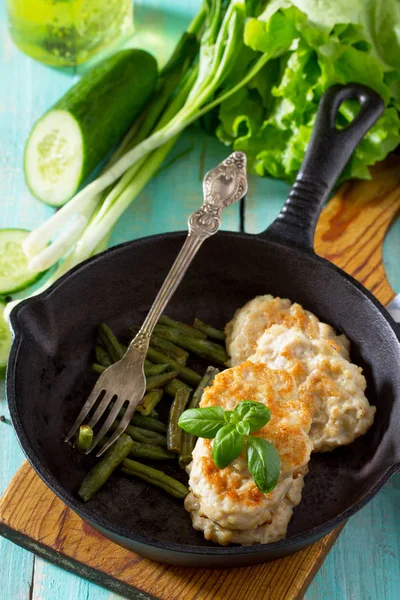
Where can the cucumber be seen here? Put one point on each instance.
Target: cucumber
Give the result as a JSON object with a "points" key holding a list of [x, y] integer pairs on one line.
{"points": [[14, 272], [5, 338], [77, 133]]}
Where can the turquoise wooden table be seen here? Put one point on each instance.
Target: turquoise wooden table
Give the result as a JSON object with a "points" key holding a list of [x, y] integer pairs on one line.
{"points": [[365, 561]]}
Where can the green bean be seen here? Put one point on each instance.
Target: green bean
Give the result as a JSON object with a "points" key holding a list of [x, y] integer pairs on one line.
{"points": [[146, 422], [173, 386], [143, 435], [102, 357], [168, 348], [85, 438], [206, 380], [211, 332], [156, 369], [203, 348], [174, 434], [98, 368], [114, 349], [148, 367], [148, 403], [189, 440], [154, 477], [177, 354], [185, 373], [187, 329], [150, 451], [158, 381], [102, 470]]}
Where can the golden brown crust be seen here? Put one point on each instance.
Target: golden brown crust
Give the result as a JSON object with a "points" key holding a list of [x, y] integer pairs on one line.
{"points": [[290, 419], [257, 315]]}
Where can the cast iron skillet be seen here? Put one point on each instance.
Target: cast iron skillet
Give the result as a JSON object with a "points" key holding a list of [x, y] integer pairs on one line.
{"points": [[49, 375]]}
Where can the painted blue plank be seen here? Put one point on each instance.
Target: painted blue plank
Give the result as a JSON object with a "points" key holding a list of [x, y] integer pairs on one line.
{"points": [[391, 254], [21, 103], [53, 583]]}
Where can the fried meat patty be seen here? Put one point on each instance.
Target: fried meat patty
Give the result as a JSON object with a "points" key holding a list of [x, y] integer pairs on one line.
{"points": [[257, 315], [229, 497]]}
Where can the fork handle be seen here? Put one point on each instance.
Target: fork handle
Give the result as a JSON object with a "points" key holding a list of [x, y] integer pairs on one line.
{"points": [[222, 186], [202, 224]]}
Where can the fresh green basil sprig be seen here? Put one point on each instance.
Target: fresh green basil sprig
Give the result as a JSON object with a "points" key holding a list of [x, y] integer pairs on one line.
{"points": [[231, 429]]}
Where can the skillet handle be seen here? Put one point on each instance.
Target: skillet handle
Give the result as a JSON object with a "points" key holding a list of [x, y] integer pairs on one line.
{"points": [[328, 151]]}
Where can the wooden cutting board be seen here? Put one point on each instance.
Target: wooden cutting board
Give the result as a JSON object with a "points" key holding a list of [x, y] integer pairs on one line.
{"points": [[350, 233]]}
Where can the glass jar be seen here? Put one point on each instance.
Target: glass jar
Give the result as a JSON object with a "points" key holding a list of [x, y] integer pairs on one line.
{"points": [[64, 33]]}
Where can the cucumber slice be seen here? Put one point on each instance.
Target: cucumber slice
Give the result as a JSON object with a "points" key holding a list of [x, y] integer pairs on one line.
{"points": [[14, 272], [54, 157], [5, 338], [78, 132]]}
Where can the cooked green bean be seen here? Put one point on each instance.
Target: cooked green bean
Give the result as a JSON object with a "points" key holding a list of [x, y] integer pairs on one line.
{"points": [[98, 368], [187, 329], [154, 477], [167, 348], [172, 350], [146, 436], [211, 332], [148, 367], [149, 402], [173, 386], [142, 435], [102, 470], [156, 369], [158, 381], [174, 433], [151, 452], [114, 349], [146, 422], [204, 348], [102, 357], [206, 380], [185, 373], [85, 438], [189, 440]]}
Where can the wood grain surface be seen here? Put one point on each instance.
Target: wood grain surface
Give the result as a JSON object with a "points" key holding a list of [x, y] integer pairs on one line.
{"points": [[31, 515], [350, 232], [354, 224]]}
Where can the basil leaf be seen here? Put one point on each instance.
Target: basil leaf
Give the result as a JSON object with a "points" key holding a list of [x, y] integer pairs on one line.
{"points": [[228, 414], [228, 444], [263, 462], [254, 413], [243, 427], [202, 422]]}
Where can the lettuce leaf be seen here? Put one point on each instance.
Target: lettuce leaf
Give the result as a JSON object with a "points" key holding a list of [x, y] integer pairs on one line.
{"points": [[312, 45]]}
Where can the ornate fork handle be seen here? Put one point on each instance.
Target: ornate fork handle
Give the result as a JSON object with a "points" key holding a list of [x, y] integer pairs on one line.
{"points": [[222, 186]]}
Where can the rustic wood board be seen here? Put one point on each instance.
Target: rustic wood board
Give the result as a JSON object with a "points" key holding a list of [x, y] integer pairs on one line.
{"points": [[350, 232]]}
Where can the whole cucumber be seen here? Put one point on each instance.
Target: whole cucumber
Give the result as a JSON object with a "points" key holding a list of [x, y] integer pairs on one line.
{"points": [[78, 132]]}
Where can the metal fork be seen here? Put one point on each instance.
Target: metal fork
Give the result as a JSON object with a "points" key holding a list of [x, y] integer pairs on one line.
{"points": [[125, 380]]}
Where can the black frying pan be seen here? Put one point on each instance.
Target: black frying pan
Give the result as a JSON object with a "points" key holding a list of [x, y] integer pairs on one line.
{"points": [[49, 376]]}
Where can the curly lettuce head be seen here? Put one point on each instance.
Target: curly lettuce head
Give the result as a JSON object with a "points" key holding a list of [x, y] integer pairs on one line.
{"points": [[312, 45]]}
